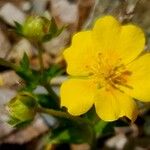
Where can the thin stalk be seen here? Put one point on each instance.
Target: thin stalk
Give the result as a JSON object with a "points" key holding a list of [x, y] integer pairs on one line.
{"points": [[46, 85], [40, 52], [8, 64], [61, 114], [52, 93], [94, 140]]}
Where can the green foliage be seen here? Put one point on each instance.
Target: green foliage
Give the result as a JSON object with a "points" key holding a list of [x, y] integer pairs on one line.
{"points": [[32, 77], [24, 63], [22, 108], [18, 28], [54, 31], [71, 132], [47, 101], [53, 71], [100, 127], [24, 70]]}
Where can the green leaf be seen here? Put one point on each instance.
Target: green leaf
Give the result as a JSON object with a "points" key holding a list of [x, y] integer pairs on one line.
{"points": [[25, 72], [71, 134], [53, 71], [18, 28], [24, 63], [30, 86], [18, 25], [54, 31], [53, 27], [100, 126]]}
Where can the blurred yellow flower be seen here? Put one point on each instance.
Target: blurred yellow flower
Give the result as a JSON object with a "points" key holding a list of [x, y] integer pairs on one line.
{"points": [[107, 71]]}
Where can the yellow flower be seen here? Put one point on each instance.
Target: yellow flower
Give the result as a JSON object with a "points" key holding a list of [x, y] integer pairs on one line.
{"points": [[106, 71]]}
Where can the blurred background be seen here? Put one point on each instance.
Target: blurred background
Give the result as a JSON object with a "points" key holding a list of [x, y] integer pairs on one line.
{"points": [[76, 15]]}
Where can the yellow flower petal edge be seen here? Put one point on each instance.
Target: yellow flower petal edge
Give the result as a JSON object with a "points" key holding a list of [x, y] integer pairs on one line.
{"points": [[126, 41], [81, 43], [76, 96], [114, 104], [140, 79], [106, 70]]}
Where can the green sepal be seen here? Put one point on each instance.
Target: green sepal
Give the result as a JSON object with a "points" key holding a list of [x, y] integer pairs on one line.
{"points": [[18, 123], [22, 108], [18, 28], [25, 63], [54, 31]]}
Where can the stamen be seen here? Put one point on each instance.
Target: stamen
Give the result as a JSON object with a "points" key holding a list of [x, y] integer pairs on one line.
{"points": [[104, 73]]}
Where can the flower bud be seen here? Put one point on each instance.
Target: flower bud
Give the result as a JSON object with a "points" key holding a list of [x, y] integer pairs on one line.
{"points": [[22, 108], [36, 28]]}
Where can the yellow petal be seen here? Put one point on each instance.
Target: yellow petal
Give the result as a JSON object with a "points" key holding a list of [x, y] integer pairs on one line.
{"points": [[139, 79], [106, 32], [111, 105], [123, 43], [79, 56], [131, 43], [77, 95]]}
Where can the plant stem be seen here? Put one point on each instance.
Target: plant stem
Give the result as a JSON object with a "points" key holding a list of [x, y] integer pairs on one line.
{"points": [[5, 63], [61, 114], [52, 93], [40, 52], [94, 141], [46, 85]]}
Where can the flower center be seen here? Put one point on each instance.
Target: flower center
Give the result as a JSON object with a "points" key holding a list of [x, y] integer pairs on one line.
{"points": [[118, 77], [109, 70]]}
